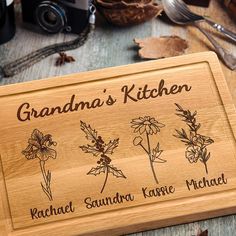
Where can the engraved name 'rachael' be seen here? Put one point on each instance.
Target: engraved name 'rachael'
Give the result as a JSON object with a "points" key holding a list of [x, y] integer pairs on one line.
{"points": [[132, 93], [51, 211], [117, 199], [206, 183]]}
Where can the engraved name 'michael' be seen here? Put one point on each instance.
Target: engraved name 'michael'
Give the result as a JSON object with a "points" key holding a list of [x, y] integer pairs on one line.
{"points": [[206, 183], [133, 93]]}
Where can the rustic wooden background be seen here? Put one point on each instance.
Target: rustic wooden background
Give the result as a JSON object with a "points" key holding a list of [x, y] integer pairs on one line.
{"points": [[111, 46]]}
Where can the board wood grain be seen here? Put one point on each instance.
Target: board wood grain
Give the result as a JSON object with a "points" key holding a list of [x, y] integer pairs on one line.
{"points": [[101, 151]]}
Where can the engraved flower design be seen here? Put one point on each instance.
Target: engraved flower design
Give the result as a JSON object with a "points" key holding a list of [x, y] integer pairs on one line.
{"points": [[146, 124], [103, 150], [193, 153], [200, 140], [40, 147], [197, 144]]}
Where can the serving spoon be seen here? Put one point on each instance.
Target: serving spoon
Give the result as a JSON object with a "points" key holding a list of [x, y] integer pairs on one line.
{"points": [[179, 13]]}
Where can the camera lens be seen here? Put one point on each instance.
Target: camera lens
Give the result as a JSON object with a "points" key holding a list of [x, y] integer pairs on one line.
{"points": [[7, 20], [51, 17]]}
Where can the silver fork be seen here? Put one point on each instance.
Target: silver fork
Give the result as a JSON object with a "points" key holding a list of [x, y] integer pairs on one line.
{"points": [[195, 17], [179, 13]]}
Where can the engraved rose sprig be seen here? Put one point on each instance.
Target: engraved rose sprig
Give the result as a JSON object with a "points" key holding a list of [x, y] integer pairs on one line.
{"points": [[147, 126], [40, 147], [102, 150], [196, 143]]}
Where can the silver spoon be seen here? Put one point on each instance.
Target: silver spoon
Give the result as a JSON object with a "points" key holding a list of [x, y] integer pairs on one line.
{"points": [[179, 13]]}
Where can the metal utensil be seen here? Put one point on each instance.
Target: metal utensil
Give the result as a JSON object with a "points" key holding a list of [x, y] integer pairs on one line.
{"points": [[193, 17], [179, 13]]}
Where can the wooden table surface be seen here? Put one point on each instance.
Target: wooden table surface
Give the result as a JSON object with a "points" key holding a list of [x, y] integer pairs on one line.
{"points": [[111, 46]]}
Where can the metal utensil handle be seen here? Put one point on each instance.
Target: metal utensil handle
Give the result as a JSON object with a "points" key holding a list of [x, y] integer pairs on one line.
{"points": [[222, 29], [228, 59]]}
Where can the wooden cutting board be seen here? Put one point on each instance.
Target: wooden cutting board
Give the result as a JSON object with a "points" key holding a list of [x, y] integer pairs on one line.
{"points": [[118, 150]]}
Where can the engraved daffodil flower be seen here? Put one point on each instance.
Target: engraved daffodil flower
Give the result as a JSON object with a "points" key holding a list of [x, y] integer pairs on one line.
{"points": [[147, 125]]}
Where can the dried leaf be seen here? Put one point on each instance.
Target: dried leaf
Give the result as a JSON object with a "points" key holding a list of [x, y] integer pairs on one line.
{"points": [[117, 173], [165, 46], [97, 170], [91, 149], [109, 148], [91, 134]]}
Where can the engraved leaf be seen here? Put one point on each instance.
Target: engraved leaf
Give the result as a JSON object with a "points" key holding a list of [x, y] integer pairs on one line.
{"points": [[91, 149], [117, 173], [207, 140], [179, 107], [109, 148], [156, 152], [46, 191], [91, 134], [97, 170]]}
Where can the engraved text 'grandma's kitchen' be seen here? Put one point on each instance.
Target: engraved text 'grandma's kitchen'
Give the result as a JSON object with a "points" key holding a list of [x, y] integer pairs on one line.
{"points": [[131, 93]]}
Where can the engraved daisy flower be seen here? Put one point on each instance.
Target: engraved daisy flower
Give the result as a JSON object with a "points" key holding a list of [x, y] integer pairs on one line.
{"points": [[146, 124]]}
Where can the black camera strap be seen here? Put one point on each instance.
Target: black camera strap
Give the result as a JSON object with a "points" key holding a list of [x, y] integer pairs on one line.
{"points": [[32, 58]]}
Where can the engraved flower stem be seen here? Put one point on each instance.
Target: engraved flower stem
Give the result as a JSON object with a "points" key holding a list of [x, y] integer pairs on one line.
{"points": [[204, 161], [46, 180], [205, 167], [150, 158], [105, 181]]}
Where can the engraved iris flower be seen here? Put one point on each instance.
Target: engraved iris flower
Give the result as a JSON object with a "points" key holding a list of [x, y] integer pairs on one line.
{"points": [[39, 146], [146, 124]]}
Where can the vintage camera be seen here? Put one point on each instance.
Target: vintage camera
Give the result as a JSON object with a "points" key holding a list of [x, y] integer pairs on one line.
{"points": [[55, 16], [7, 20]]}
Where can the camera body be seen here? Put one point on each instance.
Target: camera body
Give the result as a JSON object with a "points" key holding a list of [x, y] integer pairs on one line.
{"points": [[7, 20], [55, 16]]}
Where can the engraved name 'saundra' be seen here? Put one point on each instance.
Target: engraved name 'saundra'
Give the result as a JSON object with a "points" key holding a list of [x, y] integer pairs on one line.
{"points": [[130, 93]]}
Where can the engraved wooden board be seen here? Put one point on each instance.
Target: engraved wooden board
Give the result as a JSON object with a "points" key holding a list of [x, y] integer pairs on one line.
{"points": [[118, 150]]}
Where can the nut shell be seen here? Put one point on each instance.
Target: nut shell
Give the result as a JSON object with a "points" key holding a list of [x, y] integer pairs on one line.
{"points": [[128, 12]]}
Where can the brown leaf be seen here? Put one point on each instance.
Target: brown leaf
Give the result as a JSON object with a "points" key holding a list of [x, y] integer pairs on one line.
{"points": [[165, 46]]}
